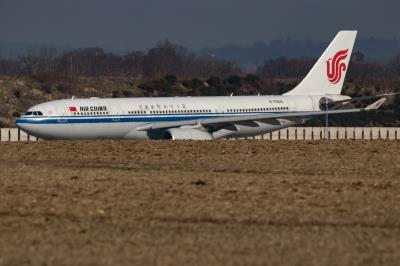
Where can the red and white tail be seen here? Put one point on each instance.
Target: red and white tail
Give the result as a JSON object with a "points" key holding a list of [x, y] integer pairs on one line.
{"points": [[327, 75]]}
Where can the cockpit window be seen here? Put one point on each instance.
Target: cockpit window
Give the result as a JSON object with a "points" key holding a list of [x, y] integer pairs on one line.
{"points": [[34, 113]]}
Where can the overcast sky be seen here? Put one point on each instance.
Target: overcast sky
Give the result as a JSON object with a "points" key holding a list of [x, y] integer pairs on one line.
{"points": [[139, 24]]}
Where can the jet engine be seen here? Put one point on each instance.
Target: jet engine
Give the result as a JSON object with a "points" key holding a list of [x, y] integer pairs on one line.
{"points": [[184, 133]]}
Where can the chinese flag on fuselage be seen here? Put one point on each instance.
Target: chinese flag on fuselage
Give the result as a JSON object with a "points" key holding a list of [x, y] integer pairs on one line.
{"points": [[72, 109]]}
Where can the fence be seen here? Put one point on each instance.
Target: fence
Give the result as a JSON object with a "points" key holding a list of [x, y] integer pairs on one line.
{"points": [[316, 133], [291, 133], [15, 134]]}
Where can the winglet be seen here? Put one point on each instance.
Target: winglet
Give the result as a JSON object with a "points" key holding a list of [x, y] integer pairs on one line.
{"points": [[375, 105]]}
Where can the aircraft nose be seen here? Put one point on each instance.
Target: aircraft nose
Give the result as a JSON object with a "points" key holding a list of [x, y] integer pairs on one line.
{"points": [[18, 122], [21, 125]]}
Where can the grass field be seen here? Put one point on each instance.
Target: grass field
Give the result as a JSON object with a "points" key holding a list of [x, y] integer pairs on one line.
{"points": [[200, 203]]}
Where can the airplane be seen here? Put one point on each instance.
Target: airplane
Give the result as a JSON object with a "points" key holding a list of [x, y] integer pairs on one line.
{"points": [[202, 118]]}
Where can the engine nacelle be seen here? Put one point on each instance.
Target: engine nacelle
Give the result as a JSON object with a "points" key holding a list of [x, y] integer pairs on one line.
{"points": [[187, 134]]}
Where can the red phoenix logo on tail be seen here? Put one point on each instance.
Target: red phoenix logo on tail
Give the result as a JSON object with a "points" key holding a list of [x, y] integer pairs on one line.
{"points": [[335, 66]]}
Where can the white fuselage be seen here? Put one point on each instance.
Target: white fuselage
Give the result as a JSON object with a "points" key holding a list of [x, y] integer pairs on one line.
{"points": [[119, 118]]}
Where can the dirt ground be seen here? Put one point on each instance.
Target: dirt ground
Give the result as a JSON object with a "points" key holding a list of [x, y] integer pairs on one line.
{"points": [[200, 203]]}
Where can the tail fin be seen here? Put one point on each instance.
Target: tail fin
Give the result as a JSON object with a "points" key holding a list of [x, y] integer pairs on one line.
{"points": [[327, 75]]}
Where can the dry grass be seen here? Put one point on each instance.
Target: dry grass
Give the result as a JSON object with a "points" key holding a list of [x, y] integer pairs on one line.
{"points": [[200, 203]]}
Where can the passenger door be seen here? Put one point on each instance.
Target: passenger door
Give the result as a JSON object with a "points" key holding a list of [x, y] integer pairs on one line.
{"points": [[61, 113], [116, 112]]}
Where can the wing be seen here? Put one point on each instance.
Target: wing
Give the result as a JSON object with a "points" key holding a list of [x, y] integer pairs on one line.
{"points": [[232, 119]]}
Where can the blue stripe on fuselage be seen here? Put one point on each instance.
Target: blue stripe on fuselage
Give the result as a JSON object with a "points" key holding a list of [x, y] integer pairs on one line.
{"points": [[123, 118], [109, 119]]}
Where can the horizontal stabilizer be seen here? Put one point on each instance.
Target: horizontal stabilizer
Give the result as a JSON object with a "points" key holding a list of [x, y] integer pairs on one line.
{"points": [[341, 103]]}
